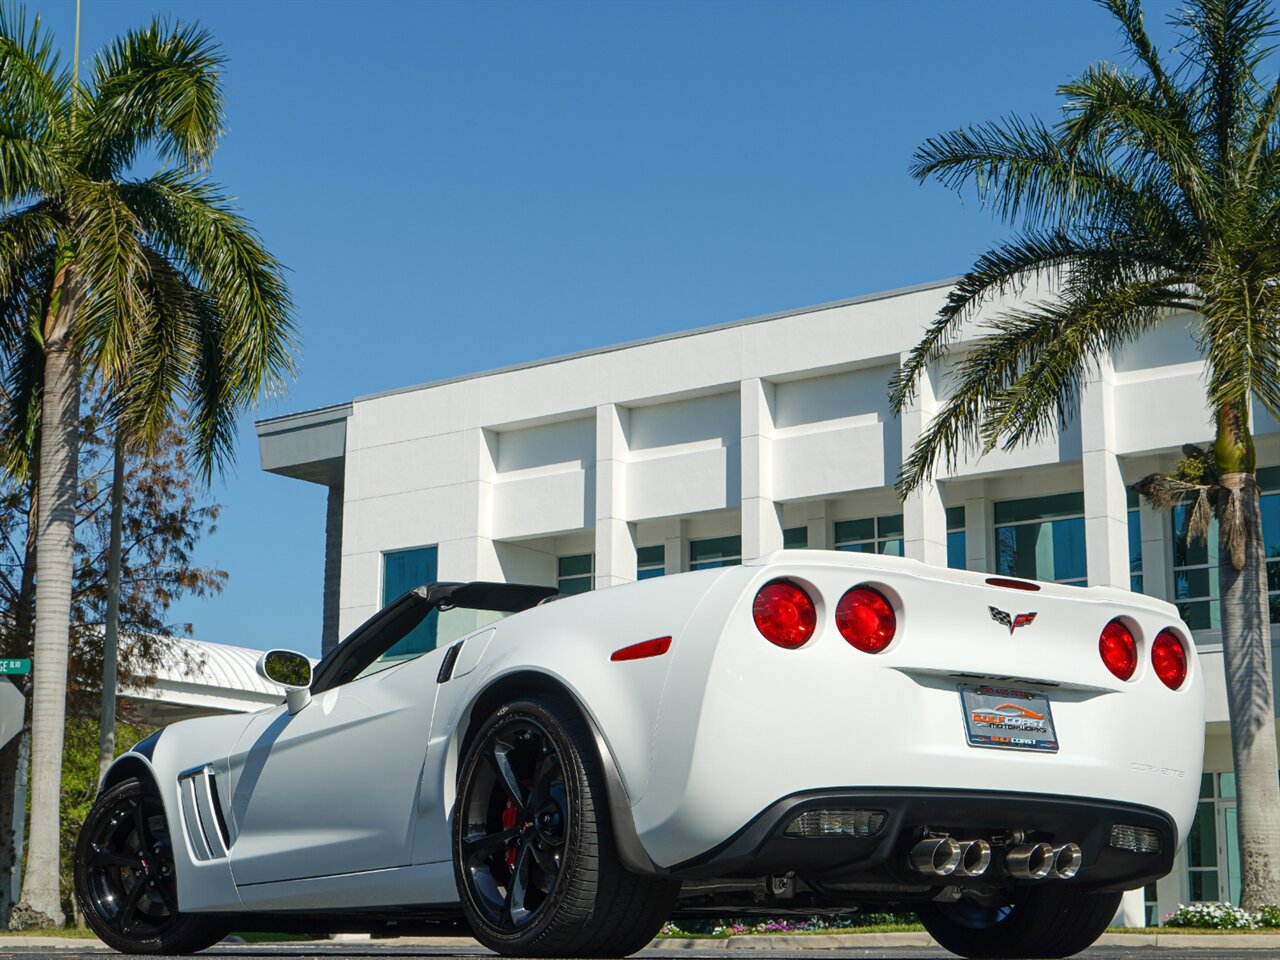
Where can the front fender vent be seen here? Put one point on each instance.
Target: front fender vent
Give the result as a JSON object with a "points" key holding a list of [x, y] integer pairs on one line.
{"points": [[202, 816]]}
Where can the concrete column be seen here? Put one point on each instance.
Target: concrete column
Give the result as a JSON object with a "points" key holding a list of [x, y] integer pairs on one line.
{"points": [[924, 517], [979, 532], [474, 557], [761, 517], [819, 525], [675, 542], [1157, 553], [615, 537], [332, 601], [1106, 511]]}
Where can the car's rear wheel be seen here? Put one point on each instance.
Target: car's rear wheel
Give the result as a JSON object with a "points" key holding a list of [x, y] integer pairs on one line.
{"points": [[1048, 921], [124, 876], [537, 868]]}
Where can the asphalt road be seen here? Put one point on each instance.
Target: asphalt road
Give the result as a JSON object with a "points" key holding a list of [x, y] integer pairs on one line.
{"points": [[364, 950]]}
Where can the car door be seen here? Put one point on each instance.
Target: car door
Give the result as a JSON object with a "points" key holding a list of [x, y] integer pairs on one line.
{"points": [[333, 788]]}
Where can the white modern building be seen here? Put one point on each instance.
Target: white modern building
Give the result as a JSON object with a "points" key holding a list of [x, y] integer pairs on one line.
{"points": [[728, 442]]}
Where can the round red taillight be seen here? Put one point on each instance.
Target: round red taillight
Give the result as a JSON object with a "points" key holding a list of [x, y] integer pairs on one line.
{"points": [[1118, 650], [866, 619], [784, 614], [1169, 658]]}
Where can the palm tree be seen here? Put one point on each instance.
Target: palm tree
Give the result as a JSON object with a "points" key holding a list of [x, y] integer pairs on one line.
{"points": [[155, 284], [1158, 190]]}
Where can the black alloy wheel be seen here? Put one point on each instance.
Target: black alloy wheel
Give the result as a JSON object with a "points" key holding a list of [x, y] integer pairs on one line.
{"points": [[125, 881], [535, 859], [517, 816]]}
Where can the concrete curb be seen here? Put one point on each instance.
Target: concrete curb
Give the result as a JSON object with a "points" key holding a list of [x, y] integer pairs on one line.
{"points": [[52, 943]]}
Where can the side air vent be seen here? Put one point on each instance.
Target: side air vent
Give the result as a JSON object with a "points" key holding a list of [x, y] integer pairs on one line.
{"points": [[202, 817]]}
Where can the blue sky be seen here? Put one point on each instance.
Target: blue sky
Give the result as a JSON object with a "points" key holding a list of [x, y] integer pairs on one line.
{"points": [[459, 186]]}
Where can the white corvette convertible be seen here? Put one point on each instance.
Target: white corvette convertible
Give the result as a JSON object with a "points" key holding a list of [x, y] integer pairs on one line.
{"points": [[811, 732]]}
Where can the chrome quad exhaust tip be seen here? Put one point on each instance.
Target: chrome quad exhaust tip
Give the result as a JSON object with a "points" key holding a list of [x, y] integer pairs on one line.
{"points": [[937, 857], [975, 857], [1031, 861], [1067, 860]]}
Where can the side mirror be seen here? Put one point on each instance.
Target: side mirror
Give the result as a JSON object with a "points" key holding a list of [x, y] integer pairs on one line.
{"points": [[291, 671]]}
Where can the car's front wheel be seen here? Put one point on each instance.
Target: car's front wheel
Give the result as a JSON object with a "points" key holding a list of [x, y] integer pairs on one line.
{"points": [[1048, 921], [534, 856], [124, 876]]}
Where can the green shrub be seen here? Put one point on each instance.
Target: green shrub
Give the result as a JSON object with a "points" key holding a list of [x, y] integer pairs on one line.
{"points": [[1269, 916]]}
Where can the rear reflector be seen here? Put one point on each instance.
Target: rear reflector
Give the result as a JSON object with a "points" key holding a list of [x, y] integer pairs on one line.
{"points": [[837, 823], [1012, 584], [1125, 836], [645, 648]]}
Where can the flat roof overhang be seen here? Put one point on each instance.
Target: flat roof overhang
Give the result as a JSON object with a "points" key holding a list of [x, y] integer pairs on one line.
{"points": [[309, 446]]}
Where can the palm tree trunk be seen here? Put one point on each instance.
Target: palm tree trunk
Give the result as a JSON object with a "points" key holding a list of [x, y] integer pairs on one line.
{"points": [[55, 557], [111, 633], [1246, 653], [1246, 656]]}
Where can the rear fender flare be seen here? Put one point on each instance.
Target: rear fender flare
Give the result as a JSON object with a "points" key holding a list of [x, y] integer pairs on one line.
{"points": [[532, 682]]}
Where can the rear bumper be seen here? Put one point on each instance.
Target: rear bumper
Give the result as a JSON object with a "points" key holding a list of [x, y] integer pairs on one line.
{"points": [[761, 847]]}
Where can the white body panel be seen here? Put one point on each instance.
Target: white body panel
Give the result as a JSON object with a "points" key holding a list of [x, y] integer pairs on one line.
{"points": [[347, 803]]}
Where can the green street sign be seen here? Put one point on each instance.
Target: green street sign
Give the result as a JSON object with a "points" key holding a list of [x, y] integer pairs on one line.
{"points": [[9, 668]]}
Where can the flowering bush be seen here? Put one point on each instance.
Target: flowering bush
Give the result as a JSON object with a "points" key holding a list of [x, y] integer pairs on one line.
{"points": [[1269, 916], [738, 928], [1212, 916]]}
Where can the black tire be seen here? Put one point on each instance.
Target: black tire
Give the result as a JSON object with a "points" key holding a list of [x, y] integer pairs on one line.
{"points": [[124, 876], [536, 865], [1049, 921]]}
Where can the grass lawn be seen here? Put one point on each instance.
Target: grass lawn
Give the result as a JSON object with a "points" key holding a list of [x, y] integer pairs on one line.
{"points": [[1196, 931]]}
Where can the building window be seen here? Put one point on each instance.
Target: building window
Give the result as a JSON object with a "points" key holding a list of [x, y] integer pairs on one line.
{"points": [[1135, 545], [956, 558], [651, 562], [870, 535], [1195, 564], [716, 552], [402, 570], [1195, 572], [1042, 538], [1213, 851], [795, 538], [575, 574]]}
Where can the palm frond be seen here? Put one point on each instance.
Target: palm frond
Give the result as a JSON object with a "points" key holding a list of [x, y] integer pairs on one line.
{"points": [[112, 260], [191, 222], [24, 235], [1226, 42], [1023, 376], [1045, 395], [34, 86], [1118, 115], [164, 354], [1012, 268], [159, 86]]}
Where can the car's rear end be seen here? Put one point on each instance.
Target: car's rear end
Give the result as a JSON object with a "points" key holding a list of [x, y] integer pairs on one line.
{"points": [[865, 721]]}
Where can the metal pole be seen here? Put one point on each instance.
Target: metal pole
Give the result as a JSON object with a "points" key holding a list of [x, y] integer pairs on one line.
{"points": [[111, 634]]}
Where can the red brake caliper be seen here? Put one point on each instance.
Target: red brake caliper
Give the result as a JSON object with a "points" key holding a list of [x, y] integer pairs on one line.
{"points": [[509, 823]]}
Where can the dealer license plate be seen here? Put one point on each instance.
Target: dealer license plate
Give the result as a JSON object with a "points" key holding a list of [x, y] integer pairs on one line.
{"points": [[1007, 717]]}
